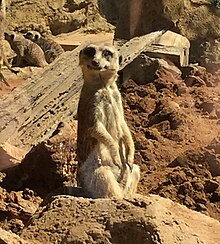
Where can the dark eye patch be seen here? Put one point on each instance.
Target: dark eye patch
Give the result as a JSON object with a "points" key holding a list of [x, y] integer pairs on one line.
{"points": [[89, 52], [106, 53]]}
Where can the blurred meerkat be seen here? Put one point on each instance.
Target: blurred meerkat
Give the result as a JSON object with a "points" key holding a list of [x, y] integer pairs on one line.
{"points": [[105, 148], [25, 50], [51, 49], [3, 59]]}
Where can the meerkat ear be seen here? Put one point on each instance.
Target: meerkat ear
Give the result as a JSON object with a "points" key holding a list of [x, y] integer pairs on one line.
{"points": [[12, 37], [120, 59], [80, 53]]}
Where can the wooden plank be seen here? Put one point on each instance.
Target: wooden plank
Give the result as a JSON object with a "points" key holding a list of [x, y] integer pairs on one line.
{"points": [[177, 55]]}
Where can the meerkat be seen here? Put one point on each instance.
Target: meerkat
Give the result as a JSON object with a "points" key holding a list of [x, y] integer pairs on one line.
{"points": [[25, 50], [105, 148], [3, 59], [51, 49]]}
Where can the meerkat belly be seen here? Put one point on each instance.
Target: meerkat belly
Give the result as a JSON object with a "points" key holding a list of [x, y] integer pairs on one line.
{"points": [[113, 118]]}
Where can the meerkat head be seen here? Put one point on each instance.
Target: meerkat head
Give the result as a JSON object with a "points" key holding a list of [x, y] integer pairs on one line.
{"points": [[10, 36], [32, 35], [99, 58]]}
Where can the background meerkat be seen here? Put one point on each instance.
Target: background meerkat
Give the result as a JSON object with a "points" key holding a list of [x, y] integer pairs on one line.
{"points": [[51, 49], [25, 50], [105, 148], [3, 59]]}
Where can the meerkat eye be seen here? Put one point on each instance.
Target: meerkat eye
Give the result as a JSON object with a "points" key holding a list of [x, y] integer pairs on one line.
{"points": [[106, 53], [89, 51]]}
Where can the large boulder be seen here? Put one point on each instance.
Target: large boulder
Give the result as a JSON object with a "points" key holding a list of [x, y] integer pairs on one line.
{"points": [[150, 219], [197, 20], [144, 16], [54, 17]]}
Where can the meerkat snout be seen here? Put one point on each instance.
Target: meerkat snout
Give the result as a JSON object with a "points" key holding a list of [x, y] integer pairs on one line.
{"points": [[95, 63]]}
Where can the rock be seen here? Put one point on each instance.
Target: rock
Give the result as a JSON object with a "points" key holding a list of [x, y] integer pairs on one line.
{"points": [[185, 188], [108, 10], [143, 69], [16, 208], [150, 219], [216, 196], [9, 237], [213, 162], [10, 155], [201, 207], [215, 145], [194, 81], [198, 186], [211, 185], [210, 55]]}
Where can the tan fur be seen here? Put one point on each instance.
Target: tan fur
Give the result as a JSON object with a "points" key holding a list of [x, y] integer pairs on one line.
{"points": [[51, 49], [105, 147], [25, 50]]}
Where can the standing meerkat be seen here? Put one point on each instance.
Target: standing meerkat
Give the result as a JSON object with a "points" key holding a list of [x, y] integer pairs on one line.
{"points": [[51, 49], [105, 148], [25, 50]]}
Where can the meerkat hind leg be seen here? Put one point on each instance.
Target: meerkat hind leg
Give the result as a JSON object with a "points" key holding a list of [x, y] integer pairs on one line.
{"points": [[105, 185]]}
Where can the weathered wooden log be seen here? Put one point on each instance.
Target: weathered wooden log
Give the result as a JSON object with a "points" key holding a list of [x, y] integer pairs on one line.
{"points": [[32, 111]]}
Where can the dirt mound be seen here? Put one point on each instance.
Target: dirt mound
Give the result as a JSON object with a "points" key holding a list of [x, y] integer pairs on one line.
{"points": [[171, 117]]}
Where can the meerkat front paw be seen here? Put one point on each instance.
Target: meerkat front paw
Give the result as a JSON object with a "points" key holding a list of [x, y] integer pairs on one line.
{"points": [[117, 161]]}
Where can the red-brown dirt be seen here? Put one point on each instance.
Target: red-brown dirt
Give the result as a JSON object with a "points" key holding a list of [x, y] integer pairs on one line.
{"points": [[175, 124]]}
